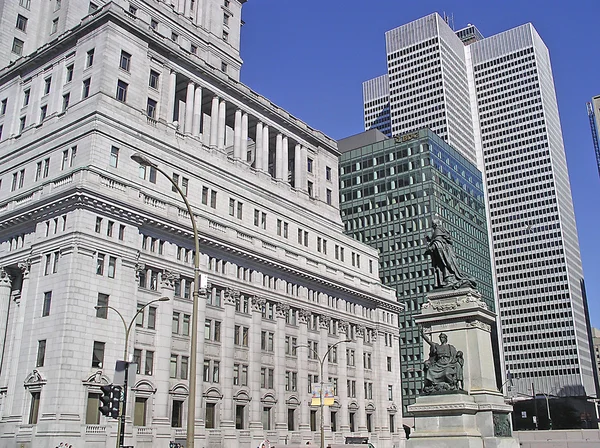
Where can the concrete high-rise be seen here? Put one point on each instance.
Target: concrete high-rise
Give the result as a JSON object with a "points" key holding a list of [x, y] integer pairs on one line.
{"points": [[82, 224], [502, 86], [390, 189], [593, 109]]}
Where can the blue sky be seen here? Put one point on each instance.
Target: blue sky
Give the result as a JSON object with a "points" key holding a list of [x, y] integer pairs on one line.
{"points": [[310, 57]]}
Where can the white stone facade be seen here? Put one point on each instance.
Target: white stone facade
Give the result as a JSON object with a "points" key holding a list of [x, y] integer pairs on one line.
{"points": [[84, 225]]}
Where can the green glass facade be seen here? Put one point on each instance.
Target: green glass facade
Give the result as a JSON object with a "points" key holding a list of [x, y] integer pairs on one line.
{"points": [[389, 192]]}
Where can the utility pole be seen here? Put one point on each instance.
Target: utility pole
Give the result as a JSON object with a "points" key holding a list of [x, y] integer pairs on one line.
{"points": [[535, 414]]}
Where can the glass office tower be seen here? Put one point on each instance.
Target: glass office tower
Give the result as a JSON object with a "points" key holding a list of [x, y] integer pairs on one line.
{"points": [[390, 188]]}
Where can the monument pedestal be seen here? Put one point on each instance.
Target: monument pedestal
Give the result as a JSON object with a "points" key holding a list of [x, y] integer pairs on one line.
{"points": [[476, 417]]}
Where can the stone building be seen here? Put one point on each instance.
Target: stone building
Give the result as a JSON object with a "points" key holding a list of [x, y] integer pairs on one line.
{"points": [[83, 225]]}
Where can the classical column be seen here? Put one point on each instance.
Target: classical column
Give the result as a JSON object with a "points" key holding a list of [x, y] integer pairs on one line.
{"points": [[244, 139], [303, 317], [303, 169], [297, 167], [237, 135], [171, 96], [255, 364], [196, 129], [5, 288], [227, 410], [278, 156], [221, 129], [163, 353], [265, 149], [284, 159], [280, 367], [189, 108], [343, 379], [360, 380], [258, 146], [214, 121]]}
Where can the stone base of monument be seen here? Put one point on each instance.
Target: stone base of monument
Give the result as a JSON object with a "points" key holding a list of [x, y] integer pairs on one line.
{"points": [[476, 417]]}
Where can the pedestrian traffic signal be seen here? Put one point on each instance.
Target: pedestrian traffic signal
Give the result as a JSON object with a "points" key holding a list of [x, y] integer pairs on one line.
{"points": [[110, 400]]}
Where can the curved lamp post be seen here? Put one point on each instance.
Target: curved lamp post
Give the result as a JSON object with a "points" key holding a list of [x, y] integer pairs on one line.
{"points": [[321, 362], [191, 415], [127, 327]]}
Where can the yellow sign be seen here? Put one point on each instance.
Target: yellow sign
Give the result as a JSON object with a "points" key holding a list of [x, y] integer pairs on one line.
{"points": [[328, 396]]}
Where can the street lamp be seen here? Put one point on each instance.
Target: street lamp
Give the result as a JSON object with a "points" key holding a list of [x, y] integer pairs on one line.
{"points": [[191, 415], [121, 426], [321, 362]]}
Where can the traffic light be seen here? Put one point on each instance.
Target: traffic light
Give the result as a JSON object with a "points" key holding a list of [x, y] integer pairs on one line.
{"points": [[110, 400]]}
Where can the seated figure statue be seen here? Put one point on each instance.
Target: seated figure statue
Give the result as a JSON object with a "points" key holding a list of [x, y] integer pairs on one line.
{"points": [[444, 368]]}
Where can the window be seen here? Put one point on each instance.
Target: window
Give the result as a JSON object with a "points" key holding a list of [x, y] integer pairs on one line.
{"points": [[92, 413], [174, 36], [101, 306], [137, 359], [56, 255], [151, 318], [41, 353], [266, 418], [210, 415], [177, 414], [132, 10], [328, 196], [122, 91], [35, 408], [125, 60], [89, 59], [153, 24], [310, 188], [46, 303], [328, 173], [212, 330], [266, 340], [98, 224], [54, 27], [21, 23], [65, 102], [140, 411], [313, 420], [205, 195], [3, 105], [184, 368], [22, 122], [291, 381], [240, 335], [153, 81], [57, 5], [225, 36], [86, 87], [100, 264], [21, 178], [17, 46], [26, 96], [43, 112], [226, 19], [151, 108], [193, 49], [213, 199], [47, 85], [239, 416], [149, 364], [38, 171], [309, 164], [70, 70], [267, 376], [389, 363], [173, 367], [46, 167], [223, 67], [240, 375], [390, 392], [114, 156], [121, 232], [392, 424], [98, 354], [112, 264]]}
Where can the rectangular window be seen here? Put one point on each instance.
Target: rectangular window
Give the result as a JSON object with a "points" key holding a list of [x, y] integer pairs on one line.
{"points": [[390, 392], [153, 81], [112, 264], [47, 84], [54, 27], [46, 303], [184, 368], [151, 318], [266, 418], [56, 256], [17, 46], [231, 207], [26, 97], [140, 411], [3, 105], [328, 173], [210, 416], [125, 60], [92, 413], [21, 23], [38, 171], [114, 156], [89, 59], [213, 199], [121, 232], [153, 24], [149, 364], [65, 102], [100, 264], [309, 164], [86, 87], [101, 306], [43, 112], [70, 71], [122, 91], [41, 353], [22, 123], [151, 108], [310, 188], [173, 367], [34, 409], [137, 359], [328, 196], [177, 414], [46, 167], [98, 354]]}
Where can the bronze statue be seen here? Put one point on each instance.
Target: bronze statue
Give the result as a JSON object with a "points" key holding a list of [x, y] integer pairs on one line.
{"points": [[445, 264], [444, 368]]}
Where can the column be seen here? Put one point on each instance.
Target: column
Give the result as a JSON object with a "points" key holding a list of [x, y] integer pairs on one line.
{"points": [[265, 149], [221, 128], [189, 108], [196, 125], [324, 344], [5, 288], [214, 121], [280, 367], [200, 409], [297, 167], [244, 139], [171, 96], [303, 169], [343, 379], [237, 135], [258, 146], [163, 353], [361, 421], [227, 410], [303, 316], [255, 364], [284, 160], [278, 156], [380, 363]]}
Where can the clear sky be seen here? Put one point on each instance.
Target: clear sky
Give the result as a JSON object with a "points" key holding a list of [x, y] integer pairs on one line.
{"points": [[310, 57]]}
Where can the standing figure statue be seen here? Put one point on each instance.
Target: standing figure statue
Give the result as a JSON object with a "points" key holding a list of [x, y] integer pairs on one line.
{"points": [[444, 368], [444, 261]]}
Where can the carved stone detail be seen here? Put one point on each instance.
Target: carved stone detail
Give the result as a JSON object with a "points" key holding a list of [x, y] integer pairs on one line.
{"points": [[231, 295], [343, 326], [324, 321], [258, 303], [167, 279], [360, 331], [479, 324], [282, 309], [501, 425], [25, 267], [374, 335], [304, 316], [5, 279], [139, 268]]}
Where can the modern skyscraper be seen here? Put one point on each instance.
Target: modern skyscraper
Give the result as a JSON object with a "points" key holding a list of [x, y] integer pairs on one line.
{"points": [[390, 188], [508, 111], [82, 224], [593, 109]]}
